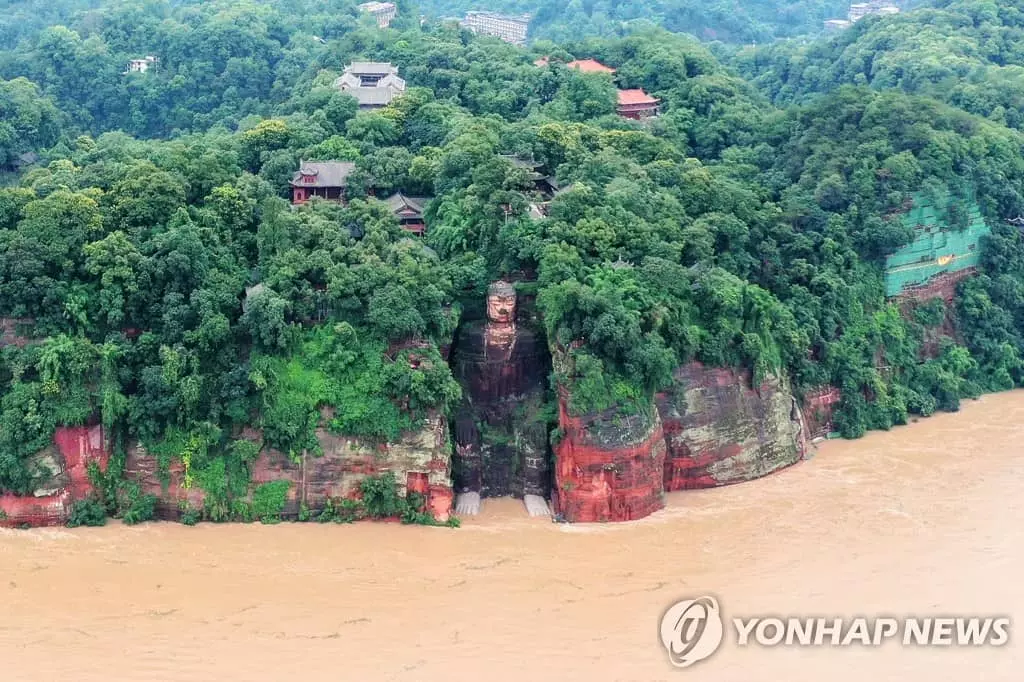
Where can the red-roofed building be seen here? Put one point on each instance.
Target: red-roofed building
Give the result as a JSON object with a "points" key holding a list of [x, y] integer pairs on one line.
{"points": [[637, 104], [543, 61], [590, 66]]}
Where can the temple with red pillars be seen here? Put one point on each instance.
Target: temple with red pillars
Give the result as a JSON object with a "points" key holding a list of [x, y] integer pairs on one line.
{"points": [[637, 104], [324, 179], [409, 212]]}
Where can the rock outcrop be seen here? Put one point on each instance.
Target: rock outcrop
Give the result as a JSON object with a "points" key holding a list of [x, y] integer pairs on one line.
{"points": [[720, 430], [143, 467], [65, 479]]}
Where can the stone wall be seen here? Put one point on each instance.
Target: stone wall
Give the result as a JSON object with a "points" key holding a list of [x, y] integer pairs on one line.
{"points": [[142, 467], [721, 430], [67, 462], [941, 286]]}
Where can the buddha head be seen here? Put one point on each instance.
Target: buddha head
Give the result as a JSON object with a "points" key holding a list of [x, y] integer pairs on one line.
{"points": [[501, 302]]}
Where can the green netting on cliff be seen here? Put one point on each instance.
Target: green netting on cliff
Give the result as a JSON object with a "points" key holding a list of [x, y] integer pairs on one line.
{"points": [[947, 231]]}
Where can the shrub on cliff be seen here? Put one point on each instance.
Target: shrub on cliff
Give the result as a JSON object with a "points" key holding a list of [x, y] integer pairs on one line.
{"points": [[87, 512], [380, 496], [268, 501]]}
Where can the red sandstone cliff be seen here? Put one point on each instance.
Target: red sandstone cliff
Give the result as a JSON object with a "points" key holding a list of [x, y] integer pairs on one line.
{"points": [[608, 467], [712, 428], [818, 408], [68, 461], [420, 461]]}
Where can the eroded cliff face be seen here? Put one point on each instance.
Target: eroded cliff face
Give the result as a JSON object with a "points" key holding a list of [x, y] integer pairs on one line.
{"points": [[65, 479], [608, 467], [502, 364], [721, 430], [711, 428], [420, 461]]}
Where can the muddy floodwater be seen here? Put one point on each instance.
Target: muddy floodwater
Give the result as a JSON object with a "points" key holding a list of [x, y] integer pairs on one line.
{"points": [[926, 519]]}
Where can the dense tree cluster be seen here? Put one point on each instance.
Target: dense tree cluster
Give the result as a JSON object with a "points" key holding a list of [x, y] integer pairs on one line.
{"points": [[177, 297], [731, 21], [968, 53]]}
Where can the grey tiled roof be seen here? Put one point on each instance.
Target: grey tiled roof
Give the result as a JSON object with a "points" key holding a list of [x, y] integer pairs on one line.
{"points": [[371, 68], [398, 201], [380, 94], [328, 173]]}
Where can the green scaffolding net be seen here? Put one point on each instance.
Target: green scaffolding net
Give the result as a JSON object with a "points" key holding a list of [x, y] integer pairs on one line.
{"points": [[947, 233]]}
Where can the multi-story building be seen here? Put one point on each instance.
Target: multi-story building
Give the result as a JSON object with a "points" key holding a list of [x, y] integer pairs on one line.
{"points": [[860, 10], [374, 84], [511, 29], [384, 12], [141, 65]]}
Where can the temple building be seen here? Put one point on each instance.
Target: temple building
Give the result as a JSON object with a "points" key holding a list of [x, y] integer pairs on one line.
{"points": [[409, 211], [637, 104], [324, 179], [511, 29], [383, 12], [373, 84], [584, 65], [589, 66]]}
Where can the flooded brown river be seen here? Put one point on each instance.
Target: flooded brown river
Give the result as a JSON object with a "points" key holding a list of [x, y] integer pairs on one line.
{"points": [[926, 519]]}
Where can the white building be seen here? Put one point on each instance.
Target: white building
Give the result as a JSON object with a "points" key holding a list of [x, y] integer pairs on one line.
{"points": [[384, 12], [860, 10], [511, 29], [141, 65]]}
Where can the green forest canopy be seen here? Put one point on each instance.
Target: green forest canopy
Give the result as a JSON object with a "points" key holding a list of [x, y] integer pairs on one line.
{"points": [[747, 225]]}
